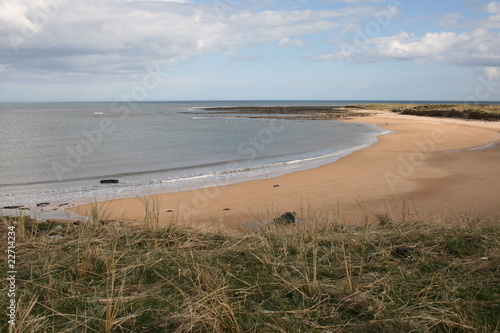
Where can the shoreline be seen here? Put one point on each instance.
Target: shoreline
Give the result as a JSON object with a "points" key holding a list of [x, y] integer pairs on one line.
{"points": [[411, 166], [46, 208]]}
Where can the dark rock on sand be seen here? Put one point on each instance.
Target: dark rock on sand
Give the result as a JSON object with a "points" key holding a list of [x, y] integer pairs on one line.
{"points": [[170, 211], [13, 207], [227, 209], [43, 204], [276, 186], [110, 181], [287, 218]]}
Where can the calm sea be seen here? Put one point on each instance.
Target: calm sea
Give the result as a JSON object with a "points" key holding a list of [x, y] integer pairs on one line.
{"points": [[56, 152]]}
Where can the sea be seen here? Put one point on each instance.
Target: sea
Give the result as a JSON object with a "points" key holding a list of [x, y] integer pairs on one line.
{"points": [[60, 152]]}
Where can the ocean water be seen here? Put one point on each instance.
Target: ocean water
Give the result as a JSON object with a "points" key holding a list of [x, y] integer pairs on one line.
{"points": [[58, 152]]}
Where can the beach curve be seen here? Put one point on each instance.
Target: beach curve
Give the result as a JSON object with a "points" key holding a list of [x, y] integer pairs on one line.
{"points": [[420, 163]]}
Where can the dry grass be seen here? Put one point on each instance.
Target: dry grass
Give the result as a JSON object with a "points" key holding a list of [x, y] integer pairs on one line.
{"points": [[404, 275], [462, 111]]}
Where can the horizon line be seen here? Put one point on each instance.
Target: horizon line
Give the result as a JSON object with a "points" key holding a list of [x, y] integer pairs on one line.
{"points": [[407, 101]]}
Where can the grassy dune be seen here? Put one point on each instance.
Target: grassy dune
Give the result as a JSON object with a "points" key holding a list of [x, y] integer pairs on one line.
{"points": [[464, 111], [403, 275]]}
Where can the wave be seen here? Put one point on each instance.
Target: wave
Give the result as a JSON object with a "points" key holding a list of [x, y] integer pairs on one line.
{"points": [[158, 181]]}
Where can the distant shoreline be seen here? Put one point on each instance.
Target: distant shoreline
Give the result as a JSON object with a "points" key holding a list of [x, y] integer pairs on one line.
{"points": [[485, 112]]}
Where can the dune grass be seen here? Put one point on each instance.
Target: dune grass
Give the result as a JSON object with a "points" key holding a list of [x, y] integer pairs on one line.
{"points": [[403, 275], [462, 111]]}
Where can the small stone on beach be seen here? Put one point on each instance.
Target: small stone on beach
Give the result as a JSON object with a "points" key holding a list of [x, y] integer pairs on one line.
{"points": [[287, 218], [110, 181]]}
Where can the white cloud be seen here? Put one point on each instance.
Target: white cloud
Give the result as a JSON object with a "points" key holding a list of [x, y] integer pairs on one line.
{"points": [[491, 21], [492, 73], [284, 42], [479, 47], [353, 1], [492, 7], [174, 1], [120, 35], [450, 20], [13, 14]]}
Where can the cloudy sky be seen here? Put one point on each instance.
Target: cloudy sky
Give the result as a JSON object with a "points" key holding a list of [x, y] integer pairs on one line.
{"points": [[107, 50]]}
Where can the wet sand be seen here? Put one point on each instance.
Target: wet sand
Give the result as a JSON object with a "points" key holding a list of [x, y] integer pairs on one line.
{"points": [[411, 167]]}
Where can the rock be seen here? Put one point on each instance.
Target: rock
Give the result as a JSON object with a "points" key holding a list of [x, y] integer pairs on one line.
{"points": [[110, 181], [43, 204], [276, 186], [170, 211], [287, 218], [227, 209], [63, 204], [13, 207]]}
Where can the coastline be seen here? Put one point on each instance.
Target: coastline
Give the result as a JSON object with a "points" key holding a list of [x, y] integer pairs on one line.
{"points": [[412, 166]]}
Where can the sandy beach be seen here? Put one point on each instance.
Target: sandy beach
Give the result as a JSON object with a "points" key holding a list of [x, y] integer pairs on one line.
{"points": [[423, 167]]}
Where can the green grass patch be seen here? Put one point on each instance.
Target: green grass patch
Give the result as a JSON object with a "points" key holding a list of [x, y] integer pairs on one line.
{"points": [[462, 111]]}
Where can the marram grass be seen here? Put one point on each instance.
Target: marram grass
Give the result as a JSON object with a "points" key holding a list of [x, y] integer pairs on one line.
{"points": [[321, 276]]}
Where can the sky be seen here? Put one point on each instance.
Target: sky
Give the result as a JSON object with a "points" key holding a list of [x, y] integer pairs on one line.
{"points": [[175, 50]]}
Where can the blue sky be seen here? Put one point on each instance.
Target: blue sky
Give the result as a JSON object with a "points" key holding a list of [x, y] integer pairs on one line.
{"points": [[108, 50]]}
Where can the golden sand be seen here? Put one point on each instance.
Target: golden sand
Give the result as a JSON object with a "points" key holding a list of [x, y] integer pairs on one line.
{"points": [[408, 168]]}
